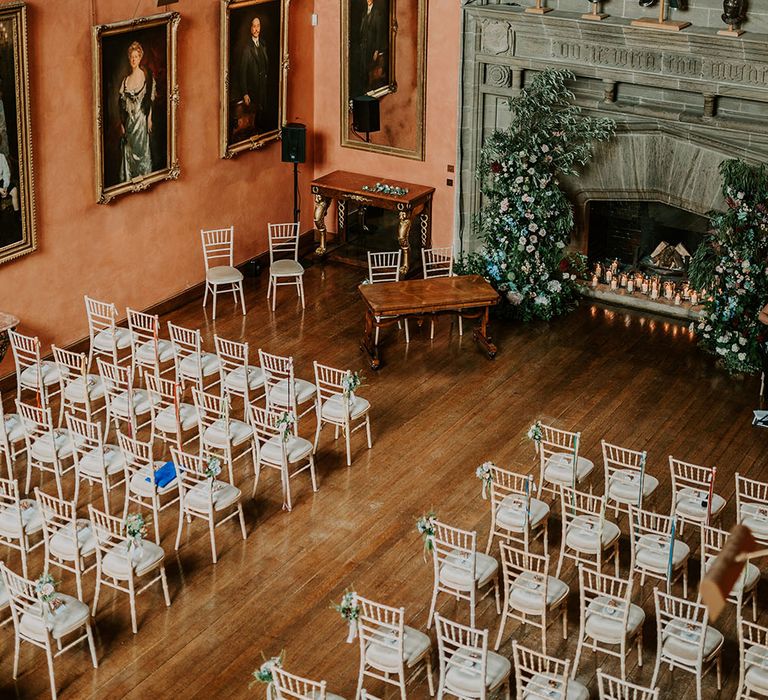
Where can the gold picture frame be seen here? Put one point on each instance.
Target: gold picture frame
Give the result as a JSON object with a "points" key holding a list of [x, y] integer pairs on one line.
{"points": [[18, 230], [411, 79], [135, 106], [250, 64]]}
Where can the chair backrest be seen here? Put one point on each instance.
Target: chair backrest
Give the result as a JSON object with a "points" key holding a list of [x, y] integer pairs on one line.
{"points": [[437, 262], [218, 246], [118, 384], [682, 620], [38, 424], [456, 548], [384, 267], [603, 597], [211, 409], [109, 533], [561, 442], [283, 240], [582, 511], [525, 572], [538, 675], [264, 424], [278, 369], [58, 516], [629, 463], [612, 688], [145, 332], [752, 503], [23, 599], [506, 487], [382, 625], [137, 454], [163, 392], [186, 343], [330, 382], [712, 543], [691, 476], [101, 316], [87, 437], [71, 365], [649, 529], [288, 686], [26, 353], [462, 648], [753, 648], [190, 472], [10, 505]]}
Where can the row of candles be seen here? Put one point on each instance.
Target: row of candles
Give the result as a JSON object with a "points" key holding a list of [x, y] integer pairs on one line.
{"points": [[652, 286]]}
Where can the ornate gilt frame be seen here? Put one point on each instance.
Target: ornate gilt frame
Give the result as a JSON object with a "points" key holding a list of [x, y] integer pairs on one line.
{"points": [[17, 12], [104, 195], [226, 149], [416, 153]]}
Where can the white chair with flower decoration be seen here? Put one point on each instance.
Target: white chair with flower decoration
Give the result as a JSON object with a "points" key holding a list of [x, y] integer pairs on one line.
{"points": [[19, 520], [80, 390], [204, 497], [559, 461], [388, 647], [752, 507], [107, 338], [650, 535], [385, 267], [685, 640], [11, 438], [611, 688], [171, 418], [608, 618], [691, 486], [125, 403], [288, 686], [38, 625], [467, 668], [32, 373], [119, 564], [190, 362], [516, 515], [287, 271], [540, 676], [150, 354], [460, 570], [339, 407], [626, 481], [587, 537], [284, 391], [278, 448], [753, 660], [438, 262], [144, 486], [220, 270], [69, 540], [529, 592], [238, 377]]}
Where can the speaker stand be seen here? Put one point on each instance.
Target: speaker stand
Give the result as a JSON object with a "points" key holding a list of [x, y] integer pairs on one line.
{"points": [[296, 210], [367, 136]]}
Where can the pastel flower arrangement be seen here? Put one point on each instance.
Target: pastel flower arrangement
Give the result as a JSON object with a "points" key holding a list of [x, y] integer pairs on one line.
{"points": [[263, 674], [425, 526], [286, 424], [383, 188], [212, 468], [351, 382], [349, 610], [45, 588], [135, 528], [535, 433], [484, 473]]}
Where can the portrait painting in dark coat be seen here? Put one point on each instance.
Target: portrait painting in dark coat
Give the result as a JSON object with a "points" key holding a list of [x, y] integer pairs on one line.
{"points": [[369, 46]]}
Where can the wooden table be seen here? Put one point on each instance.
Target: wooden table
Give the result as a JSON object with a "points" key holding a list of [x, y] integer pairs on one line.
{"points": [[347, 187], [388, 302]]}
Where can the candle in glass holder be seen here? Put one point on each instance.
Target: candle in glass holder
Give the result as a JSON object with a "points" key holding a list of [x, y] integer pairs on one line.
{"points": [[608, 276], [678, 299], [631, 285], [598, 270], [623, 279], [595, 280], [644, 286], [669, 290], [694, 297], [686, 290], [615, 266], [614, 283], [654, 290]]}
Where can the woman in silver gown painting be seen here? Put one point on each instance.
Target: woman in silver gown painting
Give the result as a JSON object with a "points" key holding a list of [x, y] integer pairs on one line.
{"points": [[137, 96]]}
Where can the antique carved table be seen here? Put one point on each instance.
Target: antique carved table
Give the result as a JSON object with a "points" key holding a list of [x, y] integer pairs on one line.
{"points": [[388, 302], [344, 187]]}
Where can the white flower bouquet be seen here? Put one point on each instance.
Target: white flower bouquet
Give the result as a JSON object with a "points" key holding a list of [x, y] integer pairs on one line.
{"points": [[352, 382], [349, 611], [484, 473], [212, 468], [286, 424], [263, 674], [534, 433], [135, 528], [425, 526]]}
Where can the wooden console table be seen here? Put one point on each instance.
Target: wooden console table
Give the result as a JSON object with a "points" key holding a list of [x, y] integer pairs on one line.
{"points": [[348, 187], [387, 302]]}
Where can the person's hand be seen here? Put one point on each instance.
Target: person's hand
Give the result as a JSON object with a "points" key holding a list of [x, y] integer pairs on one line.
{"points": [[376, 55], [149, 123], [247, 100], [3, 191]]}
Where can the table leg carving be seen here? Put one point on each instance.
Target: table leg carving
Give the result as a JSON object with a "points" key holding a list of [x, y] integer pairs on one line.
{"points": [[321, 208], [481, 336], [368, 343], [404, 239]]}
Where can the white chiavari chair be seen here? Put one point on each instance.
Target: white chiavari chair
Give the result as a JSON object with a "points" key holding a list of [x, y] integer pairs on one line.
{"points": [[559, 461], [691, 486], [626, 481], [385, 267], [125, 403], [144, 488], [32, 373], [611, 688], [288, 686], [388, 647], [745, 588], [516, 515], [95, 461], [204, 498], [540, 677], [467, 669], [287, 271], [608, 618], [190, 362], [685, 640], [365, 695], [460, 570], [172, 419], [119, 565], [48, 448], [347, 412], [753, 660], [220, 270], [35, 623], [587, 537], [438, 262], [80, 390], [752, 507], [69, 540], [150, 354], [529, 592], [650, 536], [276, 450], [20, 519], [284, 392], [11, 438], [107, 338], [238, 378]]}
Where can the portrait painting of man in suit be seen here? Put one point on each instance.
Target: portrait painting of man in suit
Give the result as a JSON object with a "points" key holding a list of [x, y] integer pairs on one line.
{"points": [[370, 46]]}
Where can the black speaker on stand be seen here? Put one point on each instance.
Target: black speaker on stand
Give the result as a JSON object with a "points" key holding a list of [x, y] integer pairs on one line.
{"points": [[365, 115], [295, 151]]}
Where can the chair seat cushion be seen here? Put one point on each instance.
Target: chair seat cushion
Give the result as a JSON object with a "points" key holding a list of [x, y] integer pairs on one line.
{"points": [[224, 496], [109, 338], [756, 663], [14, 428], [48, 370], [558, 469], [114, 461], [235, 380], [383, 655], [755, 517], [223, 274], [456, 574], [220, 434], [165, 420], [62, 544], [548, 685], [43, 447], [141, 487], [67, 618], [467, 680], [296, 449], [526, 594], [115, 563], [605, 620], [333, 408], [209, 364], [652, 552], [75, 390], [684, 646], [142, 403], [582, 534], [146, 351], [285, 268], [31, 520], [511, 512], [692, 504], [624, 486], [278, 394]]}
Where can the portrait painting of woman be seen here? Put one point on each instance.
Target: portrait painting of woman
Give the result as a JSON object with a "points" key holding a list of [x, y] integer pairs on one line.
{"points": [[137, 95]]}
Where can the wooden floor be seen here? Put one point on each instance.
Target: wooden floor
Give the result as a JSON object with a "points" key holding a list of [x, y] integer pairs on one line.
{"points": [[440, 408]]}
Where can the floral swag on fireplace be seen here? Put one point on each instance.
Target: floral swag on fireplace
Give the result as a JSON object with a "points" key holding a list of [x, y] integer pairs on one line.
{"points": [[527, 220]]}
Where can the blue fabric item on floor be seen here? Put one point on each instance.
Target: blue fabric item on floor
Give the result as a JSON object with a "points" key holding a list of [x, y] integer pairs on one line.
{"points": [[164, 475]]}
